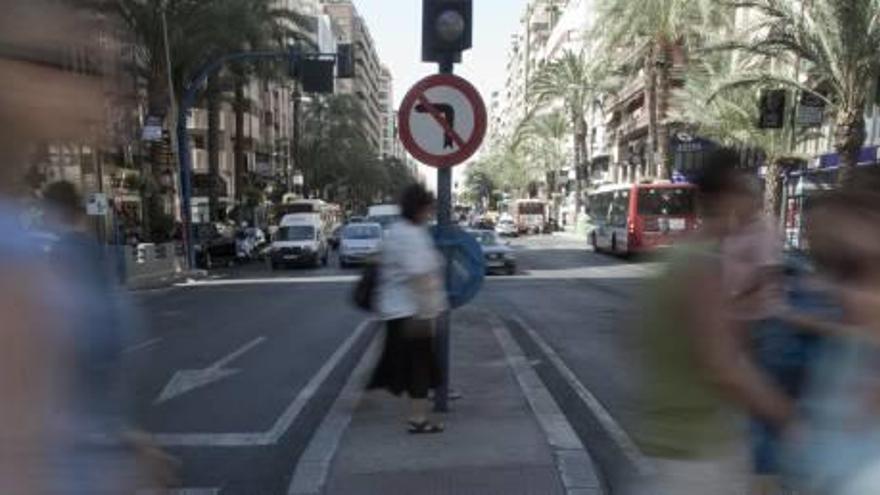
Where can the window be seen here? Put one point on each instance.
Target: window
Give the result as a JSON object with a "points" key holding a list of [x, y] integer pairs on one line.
{"points": [[362, 232], [619, 209], [666, 201], [296, 233]]}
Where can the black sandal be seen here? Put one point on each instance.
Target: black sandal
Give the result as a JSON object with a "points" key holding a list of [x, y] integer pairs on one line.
{"points": [[424, 427]]}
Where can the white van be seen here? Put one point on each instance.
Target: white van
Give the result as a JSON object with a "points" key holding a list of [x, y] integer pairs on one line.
{"points": [[384, 215], [299, 240]]}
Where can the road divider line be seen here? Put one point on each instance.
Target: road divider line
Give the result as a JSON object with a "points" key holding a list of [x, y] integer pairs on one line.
{"points": [[612, 428], [311, 388], [326, 279], [283, 423], [143, 345], [314, 465], [574, 464]]}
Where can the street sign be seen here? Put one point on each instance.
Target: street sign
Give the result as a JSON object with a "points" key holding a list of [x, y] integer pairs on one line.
{"points": [[152, 129], [465, 267], [811, 110], [97, 205], [442, 120]]}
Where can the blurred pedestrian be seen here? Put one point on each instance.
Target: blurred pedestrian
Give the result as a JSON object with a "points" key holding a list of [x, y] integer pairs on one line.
{"points": [[753, 276], [410, 298], [61, 427], [836, 447], [699, 382]]}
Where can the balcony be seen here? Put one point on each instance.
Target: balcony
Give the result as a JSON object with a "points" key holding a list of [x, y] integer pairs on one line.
{"points": [[198, 120]]}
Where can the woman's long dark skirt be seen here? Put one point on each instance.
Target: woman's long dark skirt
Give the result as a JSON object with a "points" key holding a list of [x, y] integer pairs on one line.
{"points": [[408, 363]]}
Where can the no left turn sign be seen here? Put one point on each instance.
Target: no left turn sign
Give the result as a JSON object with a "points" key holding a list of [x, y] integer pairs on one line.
{"points": [[442, 120]]}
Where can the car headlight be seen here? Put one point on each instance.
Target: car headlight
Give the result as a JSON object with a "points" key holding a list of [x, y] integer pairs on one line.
{"points": [[509, 256]]}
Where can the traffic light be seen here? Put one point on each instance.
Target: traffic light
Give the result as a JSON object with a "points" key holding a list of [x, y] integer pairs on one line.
{"points": [[447, 27], [772, 109]]}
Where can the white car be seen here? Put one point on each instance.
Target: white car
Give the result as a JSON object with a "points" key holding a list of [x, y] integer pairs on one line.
{"points": [[298, 241], [506, 227], [358, 243]]}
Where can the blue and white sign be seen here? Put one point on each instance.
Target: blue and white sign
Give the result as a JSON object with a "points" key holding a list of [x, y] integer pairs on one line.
{"points": [[465, 267]]}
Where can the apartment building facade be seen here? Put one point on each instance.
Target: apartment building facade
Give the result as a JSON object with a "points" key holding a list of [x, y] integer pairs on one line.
{"points": [[355, 42]]}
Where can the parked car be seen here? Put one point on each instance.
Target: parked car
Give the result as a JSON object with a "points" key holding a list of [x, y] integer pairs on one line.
{"points": [[506, 227], [358, 243], [299, 240], [498, 254], [213, 249]]}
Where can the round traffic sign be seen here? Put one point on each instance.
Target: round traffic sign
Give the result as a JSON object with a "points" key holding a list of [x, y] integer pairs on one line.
{"points": [[465, 266], [442, 120]]}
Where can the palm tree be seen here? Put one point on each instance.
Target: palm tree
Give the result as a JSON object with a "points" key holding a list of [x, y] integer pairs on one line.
{"points": [[143, 21], [579, 85], [729, 115], [838, 39], [654, 34], [542, 139]]}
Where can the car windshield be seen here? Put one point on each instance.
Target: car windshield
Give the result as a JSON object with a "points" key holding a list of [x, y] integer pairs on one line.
{"points": [[666, 201], [384, 220], [296, 233], [362, 232], [486, 238]]}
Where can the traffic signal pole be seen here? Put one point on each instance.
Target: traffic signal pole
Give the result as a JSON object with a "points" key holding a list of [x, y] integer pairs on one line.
{"points": [[444, 220]]}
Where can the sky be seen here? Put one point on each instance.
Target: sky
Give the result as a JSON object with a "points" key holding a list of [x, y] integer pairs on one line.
{"points": [[396, 27]]}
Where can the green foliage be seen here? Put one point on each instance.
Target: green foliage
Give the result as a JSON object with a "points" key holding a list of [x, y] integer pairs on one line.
{"points": [[837, 40], [338, 163]]}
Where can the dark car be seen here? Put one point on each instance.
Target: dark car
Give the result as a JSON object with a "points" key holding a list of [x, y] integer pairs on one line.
{"points": [[499, 256], [211, 248]]}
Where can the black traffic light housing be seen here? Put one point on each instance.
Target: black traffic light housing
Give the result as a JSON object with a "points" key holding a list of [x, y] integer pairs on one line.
{"points": [[771, 107], [454, 15]]}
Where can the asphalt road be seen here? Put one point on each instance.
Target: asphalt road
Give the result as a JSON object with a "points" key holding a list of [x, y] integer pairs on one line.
{"points": [[234, 373]]}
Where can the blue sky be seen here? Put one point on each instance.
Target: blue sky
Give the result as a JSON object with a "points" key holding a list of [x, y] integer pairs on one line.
{"points": [[396, 28]]}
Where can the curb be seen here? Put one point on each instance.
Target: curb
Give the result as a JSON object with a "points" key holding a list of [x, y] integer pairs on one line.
{"points": [[153, 283]]}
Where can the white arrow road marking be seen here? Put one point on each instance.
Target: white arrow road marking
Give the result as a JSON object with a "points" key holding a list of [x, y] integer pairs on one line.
{"points": [[188, 380], [283, 423]]}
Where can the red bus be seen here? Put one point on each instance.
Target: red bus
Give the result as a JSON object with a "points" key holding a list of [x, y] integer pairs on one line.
{"points": [[638, 218]]}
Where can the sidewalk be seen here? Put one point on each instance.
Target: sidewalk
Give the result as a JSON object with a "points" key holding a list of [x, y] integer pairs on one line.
{"points": [[494, 441]]}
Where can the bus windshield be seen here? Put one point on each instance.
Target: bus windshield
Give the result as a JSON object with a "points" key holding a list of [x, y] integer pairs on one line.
{"points": [[531, 208], [666, 201]]}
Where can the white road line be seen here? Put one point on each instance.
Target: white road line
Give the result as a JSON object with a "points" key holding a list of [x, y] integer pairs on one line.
{"points": [[270, 281], [282, 424], [143, 345], [238, 353], [181, 491], [313, 467], [617, 434], [573, 462]]}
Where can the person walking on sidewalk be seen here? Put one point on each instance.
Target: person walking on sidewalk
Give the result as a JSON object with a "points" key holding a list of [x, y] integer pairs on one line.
{"points": [[698, 379], [410, 298]]}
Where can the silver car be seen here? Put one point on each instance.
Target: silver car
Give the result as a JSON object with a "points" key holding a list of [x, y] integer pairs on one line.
{"points": [[358, 243]]}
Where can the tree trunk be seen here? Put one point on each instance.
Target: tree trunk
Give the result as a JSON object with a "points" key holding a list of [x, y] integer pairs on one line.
{"points": [[213, 99], [241, 106], [664, 65], [157, 106], [650, 106], [773, 188], [849, 136], [580, 136]]}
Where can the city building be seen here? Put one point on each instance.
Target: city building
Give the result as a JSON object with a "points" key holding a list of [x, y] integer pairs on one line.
{"points": [[389, 144], [354, 41]]}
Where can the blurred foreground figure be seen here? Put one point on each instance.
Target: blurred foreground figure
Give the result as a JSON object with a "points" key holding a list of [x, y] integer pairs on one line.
{"points": [[62, 419], [699, 383], [836, 448], [410, 298]]}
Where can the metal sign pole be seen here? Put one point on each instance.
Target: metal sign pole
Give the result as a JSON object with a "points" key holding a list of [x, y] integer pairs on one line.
{"points": [[444, 220]]}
